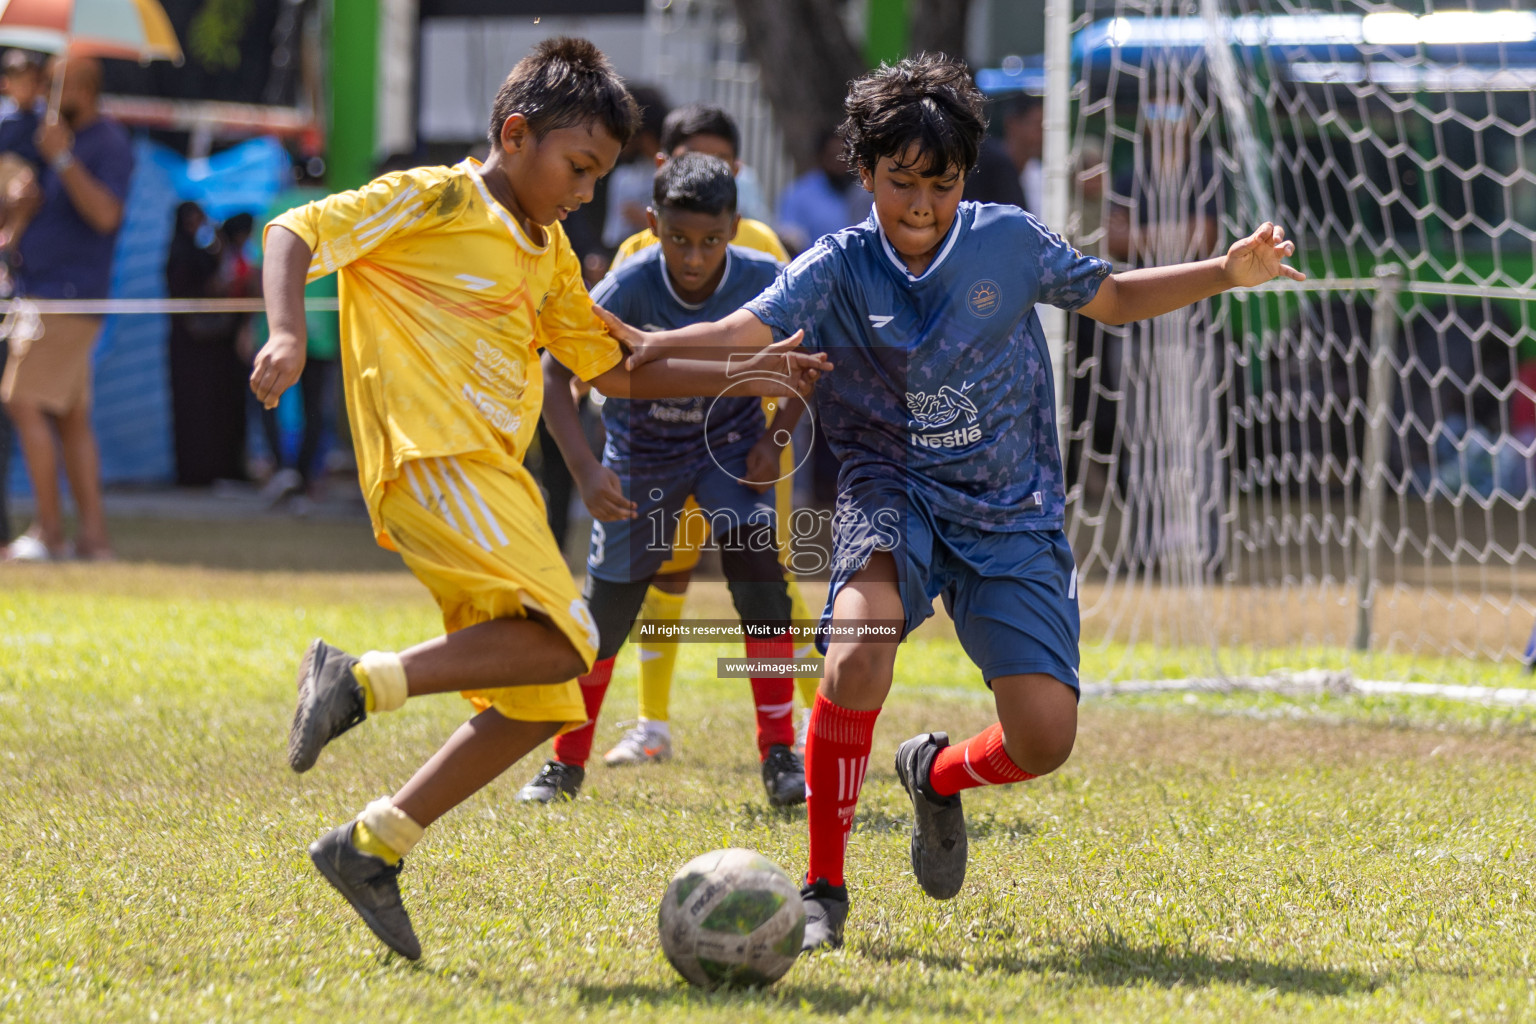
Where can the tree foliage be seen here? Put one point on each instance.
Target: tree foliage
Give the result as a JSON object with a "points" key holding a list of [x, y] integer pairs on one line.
{"points": [[214, 35]]}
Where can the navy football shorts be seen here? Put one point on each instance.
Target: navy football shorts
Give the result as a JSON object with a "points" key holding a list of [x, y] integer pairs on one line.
{"points": [[632, 550], [1013, 596]]}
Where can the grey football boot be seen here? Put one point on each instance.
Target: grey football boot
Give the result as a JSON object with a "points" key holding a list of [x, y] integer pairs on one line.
{"points": [[826, 910], [555, 781], [784, 776], [370, 885], [330, 703], [939, 847]]}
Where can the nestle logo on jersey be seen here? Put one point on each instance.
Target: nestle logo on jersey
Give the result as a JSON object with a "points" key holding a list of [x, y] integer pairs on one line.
{"points": [[940, 409], [957, 438], [984, 298]]}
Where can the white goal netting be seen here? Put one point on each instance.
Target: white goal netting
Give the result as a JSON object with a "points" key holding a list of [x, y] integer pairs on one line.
{"points": [[1340, 466]]}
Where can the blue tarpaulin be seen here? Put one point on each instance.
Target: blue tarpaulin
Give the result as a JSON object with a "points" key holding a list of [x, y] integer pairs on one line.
{"points": [[132, 378]]}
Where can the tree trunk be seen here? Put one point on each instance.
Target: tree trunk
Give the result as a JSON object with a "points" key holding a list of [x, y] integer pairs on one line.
{"points": [[806, 61], [938, 26]]}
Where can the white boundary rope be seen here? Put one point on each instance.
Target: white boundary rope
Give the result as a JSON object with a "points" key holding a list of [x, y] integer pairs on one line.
{"points": [[1317, 683], [107, 307], [20, 317]]}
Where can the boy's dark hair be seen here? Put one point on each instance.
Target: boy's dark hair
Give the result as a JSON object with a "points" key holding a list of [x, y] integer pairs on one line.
{"points": [[928, 101], [698, 119], [695, 182], [565, 82]]}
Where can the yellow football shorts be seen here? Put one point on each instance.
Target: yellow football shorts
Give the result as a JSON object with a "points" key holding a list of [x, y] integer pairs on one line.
{"points": [[476, 535]]}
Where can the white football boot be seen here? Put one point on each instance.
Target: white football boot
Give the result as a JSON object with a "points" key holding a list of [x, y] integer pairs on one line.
{"points": [[645, 743]]}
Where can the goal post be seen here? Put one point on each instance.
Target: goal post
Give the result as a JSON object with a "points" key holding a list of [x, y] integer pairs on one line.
{"points": [[1344, 467]]}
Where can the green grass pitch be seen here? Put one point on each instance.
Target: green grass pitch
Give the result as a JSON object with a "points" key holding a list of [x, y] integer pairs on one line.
{"points": [[1224, 859]]}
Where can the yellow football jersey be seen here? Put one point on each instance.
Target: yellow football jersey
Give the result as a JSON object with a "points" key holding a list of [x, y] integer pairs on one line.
{"points": [[445, 303], [750, 234]]}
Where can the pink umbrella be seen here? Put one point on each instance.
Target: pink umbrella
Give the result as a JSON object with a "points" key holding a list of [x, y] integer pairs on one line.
{"points": [[128, 29]]}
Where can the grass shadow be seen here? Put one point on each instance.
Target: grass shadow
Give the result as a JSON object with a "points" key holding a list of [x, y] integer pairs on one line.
{"points": [[980, 826], [1111, 960]]}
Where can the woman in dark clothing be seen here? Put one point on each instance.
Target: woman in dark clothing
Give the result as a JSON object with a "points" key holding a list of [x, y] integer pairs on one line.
{"points": [[207, 375]]}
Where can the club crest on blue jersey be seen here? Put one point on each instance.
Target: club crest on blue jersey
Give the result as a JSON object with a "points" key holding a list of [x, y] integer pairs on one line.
{"points": [[984, 298]]}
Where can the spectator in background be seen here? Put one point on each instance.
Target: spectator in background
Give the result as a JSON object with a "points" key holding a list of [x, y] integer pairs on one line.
{"points": [[750, 201], [21, 80], [629, 186], [1085, 220], [24, 77], [1090, 446], [207, 373], [237, 275], [995, 179], [1165, 207], [822, 200], [303, 475], [66, 253], [1024, 139]]}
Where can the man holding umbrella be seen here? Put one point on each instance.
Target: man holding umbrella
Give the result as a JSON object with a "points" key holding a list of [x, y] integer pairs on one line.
{"points": [[66, 253]]}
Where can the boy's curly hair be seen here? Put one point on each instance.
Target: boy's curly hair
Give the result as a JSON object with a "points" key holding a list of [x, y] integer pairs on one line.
{"points": [[928, 101], [565, 82]]}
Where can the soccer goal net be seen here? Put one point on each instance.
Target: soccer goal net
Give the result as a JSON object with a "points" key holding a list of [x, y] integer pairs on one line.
{"points": [[1335, 474]]}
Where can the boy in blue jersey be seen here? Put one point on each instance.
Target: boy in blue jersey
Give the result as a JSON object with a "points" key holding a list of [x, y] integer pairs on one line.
{"points": [[659, 452], [941, 414]]}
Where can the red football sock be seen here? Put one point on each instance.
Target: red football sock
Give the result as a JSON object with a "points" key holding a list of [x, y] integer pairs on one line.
{"points": [[575, 747], [979, 761], [773, 695], [836, 758]]}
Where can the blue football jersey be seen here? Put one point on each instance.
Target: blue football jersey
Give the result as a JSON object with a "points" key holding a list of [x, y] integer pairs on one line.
{"points": [[942, 379], [666, 432]]}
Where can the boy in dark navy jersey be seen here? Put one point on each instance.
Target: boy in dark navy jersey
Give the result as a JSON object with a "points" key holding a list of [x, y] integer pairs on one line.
{"points": [[941, 412], [660, 451]]}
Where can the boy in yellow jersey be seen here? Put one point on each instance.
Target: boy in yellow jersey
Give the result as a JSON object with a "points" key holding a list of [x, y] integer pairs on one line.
{"points": [[452, 280], [702, 128]]}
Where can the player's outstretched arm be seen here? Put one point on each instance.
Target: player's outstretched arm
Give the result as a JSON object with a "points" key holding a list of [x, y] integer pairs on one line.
{"points": [[1140, 294], [776, 370], [738, 332], [281, 360], [600, 487]]}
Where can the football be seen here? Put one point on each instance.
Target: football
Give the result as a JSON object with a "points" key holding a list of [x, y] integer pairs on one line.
{"points": [[731, 917]]}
